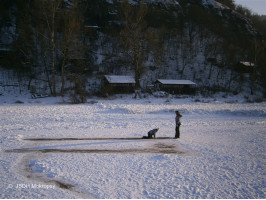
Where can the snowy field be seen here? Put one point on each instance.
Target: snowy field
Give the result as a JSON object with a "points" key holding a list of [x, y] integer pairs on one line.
{"points": [[48, 150]]}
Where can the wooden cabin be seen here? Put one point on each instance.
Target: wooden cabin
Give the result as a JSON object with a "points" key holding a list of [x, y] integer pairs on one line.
{"points": [[116, 84], [244, 67], [175, 86]]}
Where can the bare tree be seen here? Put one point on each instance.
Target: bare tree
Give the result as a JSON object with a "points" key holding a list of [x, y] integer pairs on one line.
{"points": [[47, 17], [71, 44], [58, 29], [135, 35], [186, 55]]}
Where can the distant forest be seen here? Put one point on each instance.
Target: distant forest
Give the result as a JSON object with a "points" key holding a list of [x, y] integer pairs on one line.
{"points": [[65, 42]]}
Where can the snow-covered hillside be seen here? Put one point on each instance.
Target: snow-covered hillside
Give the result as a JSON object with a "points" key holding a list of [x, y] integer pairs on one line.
{"points": [[51, 149], [201, 41]]}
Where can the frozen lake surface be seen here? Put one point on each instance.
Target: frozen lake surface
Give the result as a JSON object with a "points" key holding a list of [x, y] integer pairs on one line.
{"points": [[52, 150]]}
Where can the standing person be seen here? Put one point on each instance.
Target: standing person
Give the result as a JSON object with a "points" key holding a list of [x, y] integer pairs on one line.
{"points": [[178, 124]]}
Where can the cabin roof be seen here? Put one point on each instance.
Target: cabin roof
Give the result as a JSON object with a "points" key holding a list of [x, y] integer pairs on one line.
{"points": [[247, 64], [120, 79], [175, 82]]}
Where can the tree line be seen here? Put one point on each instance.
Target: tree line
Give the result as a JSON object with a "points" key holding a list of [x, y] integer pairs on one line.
{"points": [[56, 41]]}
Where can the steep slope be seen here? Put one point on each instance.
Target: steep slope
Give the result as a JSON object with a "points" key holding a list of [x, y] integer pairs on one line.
{"points": [[199, 40]]}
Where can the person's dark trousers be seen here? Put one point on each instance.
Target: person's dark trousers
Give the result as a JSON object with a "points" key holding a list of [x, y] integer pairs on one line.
{"points": [[177, 132]]}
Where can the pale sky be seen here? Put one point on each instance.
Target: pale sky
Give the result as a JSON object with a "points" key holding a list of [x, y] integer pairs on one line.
{"points": [[257, 6]]}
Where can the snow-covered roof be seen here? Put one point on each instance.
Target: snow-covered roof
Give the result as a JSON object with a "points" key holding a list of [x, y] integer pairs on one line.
{"points": [[248, 64], [119, 79], [92, 26], [176, 82]]}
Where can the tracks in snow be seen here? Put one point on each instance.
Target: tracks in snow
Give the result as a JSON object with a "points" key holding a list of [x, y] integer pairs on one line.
{"points": [[31, 153]]}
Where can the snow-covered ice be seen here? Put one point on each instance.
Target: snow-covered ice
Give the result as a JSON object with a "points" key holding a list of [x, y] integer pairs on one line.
{"points": [[221, 152]]}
